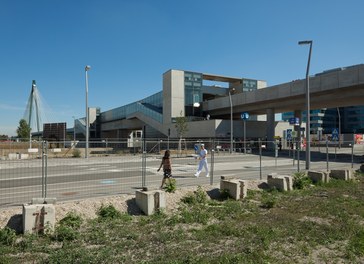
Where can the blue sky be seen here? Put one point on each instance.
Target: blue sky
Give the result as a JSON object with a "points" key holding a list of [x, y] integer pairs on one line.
{"points": [[130, 44]]}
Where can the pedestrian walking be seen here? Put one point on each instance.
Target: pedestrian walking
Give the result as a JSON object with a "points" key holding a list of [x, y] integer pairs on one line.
{"points": [[167, 167], [203, 162]]}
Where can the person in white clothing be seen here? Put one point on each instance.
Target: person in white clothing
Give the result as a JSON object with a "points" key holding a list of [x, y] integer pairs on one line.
{"points": [[203, 162]]}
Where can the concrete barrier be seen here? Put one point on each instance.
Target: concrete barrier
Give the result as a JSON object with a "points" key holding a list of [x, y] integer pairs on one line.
{"points": [[318, 176], [236, 188], [280, 182], [38, 218], [150, 201], [341, 174], [24, 156]]}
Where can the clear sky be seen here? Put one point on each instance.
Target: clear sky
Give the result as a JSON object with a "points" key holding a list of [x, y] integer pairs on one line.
{"points": [[131, 43]]}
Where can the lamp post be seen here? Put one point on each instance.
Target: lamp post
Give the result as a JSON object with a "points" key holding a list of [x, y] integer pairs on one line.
{"points": [[231, 120], [74, 129], [87, 68], [308, 143]]}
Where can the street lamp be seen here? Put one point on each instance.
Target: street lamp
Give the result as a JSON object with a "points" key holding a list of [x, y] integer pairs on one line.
{"points": [[231, 120], [74, 129], [308, 143], [338, 113], [87, 68]]}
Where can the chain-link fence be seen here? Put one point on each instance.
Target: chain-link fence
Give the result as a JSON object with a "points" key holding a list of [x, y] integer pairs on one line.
{"points": [[113, 167]]}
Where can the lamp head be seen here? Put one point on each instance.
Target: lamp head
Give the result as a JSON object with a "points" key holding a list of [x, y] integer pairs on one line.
{"points": [[87, 67], [304, 42]]}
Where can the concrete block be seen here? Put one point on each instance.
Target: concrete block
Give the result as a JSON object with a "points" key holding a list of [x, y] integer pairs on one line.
{"points": [[32, 150], [237, 188], [38, 218], [24, 156], [13, 156], [280, 182], [150, 201], [341, 174], [318, 176], [44, 200], [56, 150]]}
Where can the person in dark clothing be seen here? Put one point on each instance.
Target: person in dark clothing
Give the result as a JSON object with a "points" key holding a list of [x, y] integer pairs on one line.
{"points": [[167, 167]]}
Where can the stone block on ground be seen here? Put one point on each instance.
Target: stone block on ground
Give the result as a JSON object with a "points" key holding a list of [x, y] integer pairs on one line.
{"points": [[280, 182], [236, 188], [38, 218], [150, 201], [341, 174], [318, 176]]}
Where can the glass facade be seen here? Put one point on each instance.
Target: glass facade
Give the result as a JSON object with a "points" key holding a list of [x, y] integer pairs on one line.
{"points": [[193, 91], [151, 106], [351, 119]]}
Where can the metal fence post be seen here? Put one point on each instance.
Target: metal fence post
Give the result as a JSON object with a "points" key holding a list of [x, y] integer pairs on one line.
{"points": [[260, 158], [212, 162], [352, 152], [327, 154]]}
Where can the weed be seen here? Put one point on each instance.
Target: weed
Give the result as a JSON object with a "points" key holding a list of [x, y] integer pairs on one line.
{"points": [[7, 236], [197, 197], [356, 243], [76, 153], [224, 194], [301, 181], [71, 220], [269, 199], [108, 212], [170, 185], [65, 233]]}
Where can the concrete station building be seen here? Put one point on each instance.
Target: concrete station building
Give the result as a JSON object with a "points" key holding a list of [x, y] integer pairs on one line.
{"points": [[185, 93], [210, 101]]}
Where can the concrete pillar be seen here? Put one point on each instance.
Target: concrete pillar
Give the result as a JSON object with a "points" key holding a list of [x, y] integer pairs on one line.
{"points": [[270, 128]]}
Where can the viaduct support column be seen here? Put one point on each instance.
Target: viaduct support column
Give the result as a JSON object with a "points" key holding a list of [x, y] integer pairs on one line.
{"points": [[270, 128]]}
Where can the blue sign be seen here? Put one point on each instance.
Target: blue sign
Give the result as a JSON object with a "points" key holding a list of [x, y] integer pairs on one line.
{"points": [[244, 115], [289, 134], [294, 121], [335, 134]]}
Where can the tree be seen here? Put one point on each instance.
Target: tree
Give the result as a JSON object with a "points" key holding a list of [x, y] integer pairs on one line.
{"points": [[4, 137], [182, 128], [23, 130]]}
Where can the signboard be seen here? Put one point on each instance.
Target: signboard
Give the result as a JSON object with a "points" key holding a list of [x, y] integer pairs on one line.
{"points": [[244, 115], [335, 134], [294, 121], [289, 134]]}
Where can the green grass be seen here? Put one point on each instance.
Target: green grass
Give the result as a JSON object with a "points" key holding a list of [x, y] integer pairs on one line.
{"points": [[313, 224]]}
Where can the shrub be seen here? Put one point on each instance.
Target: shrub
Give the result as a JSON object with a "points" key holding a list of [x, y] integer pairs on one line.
{"points": [[301, 181], [269, 199]]}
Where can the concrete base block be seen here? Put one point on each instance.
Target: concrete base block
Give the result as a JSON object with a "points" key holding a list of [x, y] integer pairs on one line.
{"points": [[318, 176], [280, 182], [237, 188], [341, 174], [150, 201], [38, 218]]}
